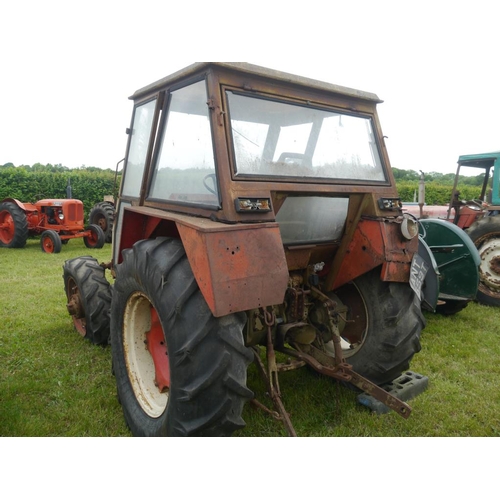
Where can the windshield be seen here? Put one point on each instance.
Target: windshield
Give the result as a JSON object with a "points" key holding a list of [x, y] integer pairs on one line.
{"points": [[274, 138]]}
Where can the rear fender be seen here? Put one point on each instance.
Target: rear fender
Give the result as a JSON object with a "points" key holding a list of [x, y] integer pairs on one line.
{"points": [[16, 202], [430, 288], [456, 257], [377, 243], [237, 266]]}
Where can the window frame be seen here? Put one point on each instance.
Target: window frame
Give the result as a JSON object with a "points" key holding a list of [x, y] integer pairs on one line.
{"points": [[162, 129]]}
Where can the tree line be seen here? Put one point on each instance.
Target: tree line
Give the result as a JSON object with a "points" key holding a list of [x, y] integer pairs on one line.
{"points": [[29, 183]]}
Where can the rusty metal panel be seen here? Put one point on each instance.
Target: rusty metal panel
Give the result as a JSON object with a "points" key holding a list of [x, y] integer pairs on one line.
{"points": [[378, 242], [237, 270], [365, 252]]}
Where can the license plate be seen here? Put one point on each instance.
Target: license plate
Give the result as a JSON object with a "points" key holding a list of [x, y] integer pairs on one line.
{"points": [[417, 274]]}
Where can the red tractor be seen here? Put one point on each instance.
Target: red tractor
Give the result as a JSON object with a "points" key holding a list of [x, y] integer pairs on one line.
{"points": [[57, 221], [257, 209]]}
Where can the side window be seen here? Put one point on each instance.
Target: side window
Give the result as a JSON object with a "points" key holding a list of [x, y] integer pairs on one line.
{"points": [[185, 167], [139, 142]]}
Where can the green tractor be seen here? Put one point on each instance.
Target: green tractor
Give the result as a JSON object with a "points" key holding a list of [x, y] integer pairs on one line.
{"points": [[480, 220]]}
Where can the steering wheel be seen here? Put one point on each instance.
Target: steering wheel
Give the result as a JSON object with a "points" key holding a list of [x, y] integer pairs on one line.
{"points": [[213, 189]]}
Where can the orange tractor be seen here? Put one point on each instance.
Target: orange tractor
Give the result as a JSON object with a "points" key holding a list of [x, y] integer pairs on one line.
{"points": [[56, 220], [257, 210]]}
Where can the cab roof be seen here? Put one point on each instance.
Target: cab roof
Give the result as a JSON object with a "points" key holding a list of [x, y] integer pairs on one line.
{"points": [[253, 69], [478, 160]]}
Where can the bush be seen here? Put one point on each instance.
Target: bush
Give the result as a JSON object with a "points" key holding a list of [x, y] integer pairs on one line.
{"points": [[435, 194]]}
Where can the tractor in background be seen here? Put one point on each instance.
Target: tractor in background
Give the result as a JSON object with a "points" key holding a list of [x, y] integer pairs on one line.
{"points": [[56, 221], [479, 218]]}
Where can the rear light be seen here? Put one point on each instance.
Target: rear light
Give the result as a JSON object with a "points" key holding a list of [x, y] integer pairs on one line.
{"points": [[390, 204], [252, 204]]}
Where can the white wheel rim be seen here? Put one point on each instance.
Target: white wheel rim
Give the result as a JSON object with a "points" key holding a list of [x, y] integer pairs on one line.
{"points": [[140, 365], [490, 275]]}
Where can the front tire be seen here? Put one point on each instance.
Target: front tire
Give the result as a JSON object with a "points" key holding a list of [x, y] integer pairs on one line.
{"points": [[50, 242], [485, 233], [89, 298], [179, 370], [96, 239], [383, 327]]}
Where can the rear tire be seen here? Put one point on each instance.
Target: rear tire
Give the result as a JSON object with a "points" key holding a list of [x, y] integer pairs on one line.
{"points": [[50, 242], [89, 298], [163, 335], [485, 233], [103, 215], [385, 332], [13, 226]]}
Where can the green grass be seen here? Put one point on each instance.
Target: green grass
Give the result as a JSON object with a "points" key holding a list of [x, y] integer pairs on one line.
{"points": [[54, 383]]}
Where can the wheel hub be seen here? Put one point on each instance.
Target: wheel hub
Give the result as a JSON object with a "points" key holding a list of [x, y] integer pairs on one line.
{"points": [[489, 268], [6, 227], [146, 355]]}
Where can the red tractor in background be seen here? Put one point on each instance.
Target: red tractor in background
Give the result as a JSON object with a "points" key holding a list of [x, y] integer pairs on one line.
{"points": [[56, 220]]}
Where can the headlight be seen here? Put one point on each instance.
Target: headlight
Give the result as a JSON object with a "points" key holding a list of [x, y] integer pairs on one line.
{"points": [[61, 216]]}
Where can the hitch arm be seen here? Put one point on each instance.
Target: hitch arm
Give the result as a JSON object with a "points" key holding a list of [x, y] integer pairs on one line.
{"points": [[345, 373]]}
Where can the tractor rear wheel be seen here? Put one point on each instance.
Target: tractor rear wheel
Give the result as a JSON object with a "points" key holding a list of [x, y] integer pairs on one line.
{"points": [[96, 238], [13, 226], [89, 298], [382, 331], [180, 371], [103, 215], [485, 233], [50, 242]]}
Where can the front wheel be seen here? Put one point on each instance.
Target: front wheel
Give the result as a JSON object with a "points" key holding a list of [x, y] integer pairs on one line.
{"points": [[180, 371], [485, 233], [382, 331], [96, 239], [89, 298], [50, 242]]}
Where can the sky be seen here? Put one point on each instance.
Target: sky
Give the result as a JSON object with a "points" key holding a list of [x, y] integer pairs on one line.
{"points": [[68, 68]]}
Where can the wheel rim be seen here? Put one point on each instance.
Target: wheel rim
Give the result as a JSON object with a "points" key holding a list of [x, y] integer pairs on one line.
{"points": [[47, 244], [489, 268], [101, 222], [92, 238], [353, 334], [7, 228], [75, 307], [146, 355]]}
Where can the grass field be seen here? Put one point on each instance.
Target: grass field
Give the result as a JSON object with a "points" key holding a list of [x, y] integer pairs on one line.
{"points": [[54, 383]]}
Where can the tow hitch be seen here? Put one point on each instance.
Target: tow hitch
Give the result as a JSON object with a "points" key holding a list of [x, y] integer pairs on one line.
{"points": [[375, 397]]}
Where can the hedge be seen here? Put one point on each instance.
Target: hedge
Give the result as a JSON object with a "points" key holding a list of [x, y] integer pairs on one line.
{"points": [[436, 194], [92, 185]]}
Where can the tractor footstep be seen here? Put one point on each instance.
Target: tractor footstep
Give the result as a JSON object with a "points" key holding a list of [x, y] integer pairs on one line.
{"points": [[407, 386]]}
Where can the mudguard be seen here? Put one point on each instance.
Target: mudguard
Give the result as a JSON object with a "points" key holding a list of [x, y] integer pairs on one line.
{"points": [[455, 256], [430, 287]]}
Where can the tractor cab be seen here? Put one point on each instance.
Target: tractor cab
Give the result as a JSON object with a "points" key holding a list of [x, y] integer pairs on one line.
{"points": [[487, 164]]}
